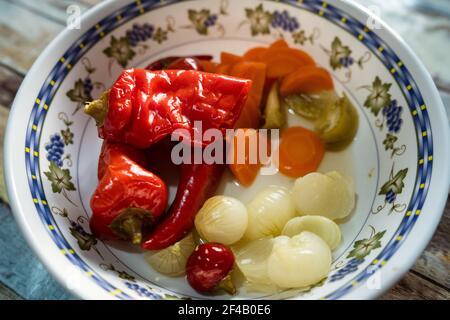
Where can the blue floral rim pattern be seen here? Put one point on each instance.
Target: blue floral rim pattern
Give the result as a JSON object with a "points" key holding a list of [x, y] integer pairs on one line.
{"points": [[397, 68]]}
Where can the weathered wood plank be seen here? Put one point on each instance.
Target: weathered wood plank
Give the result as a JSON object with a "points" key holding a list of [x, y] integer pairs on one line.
{"points": [[414, 287], [54, 10], [7, 294], [3, 118], [9, 84], [20, 269], [23, 35], [434, 263]]}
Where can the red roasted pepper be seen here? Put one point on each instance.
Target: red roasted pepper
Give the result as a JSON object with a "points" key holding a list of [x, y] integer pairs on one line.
{"points": [[143, 106], [128, 198], [197, 183], [111, 150]]}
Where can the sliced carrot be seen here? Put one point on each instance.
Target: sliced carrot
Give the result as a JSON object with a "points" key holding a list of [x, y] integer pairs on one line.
{"points": [[247, 170], [282, 61], [208, 66], [250, 116], [224, 68], [230, 58], [290, 52], [307, 79], [280, 66], [255, 54], [255, 71], [280, 43], [300, 152]]}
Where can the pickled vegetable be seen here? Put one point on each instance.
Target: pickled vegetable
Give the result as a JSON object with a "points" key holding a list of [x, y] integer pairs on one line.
{"points": [[172, 260], [274, 113], [300, 261], [268, 212], [307, 79], [323, 227], [246, 170], [311, 106], [330, 195], [339, 123], [222, 219], [300, 152], [251, 260]]}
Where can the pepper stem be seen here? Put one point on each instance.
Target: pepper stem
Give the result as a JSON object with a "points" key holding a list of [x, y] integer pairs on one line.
{"points": [[129, 224], [226, 284], [98, 108]]}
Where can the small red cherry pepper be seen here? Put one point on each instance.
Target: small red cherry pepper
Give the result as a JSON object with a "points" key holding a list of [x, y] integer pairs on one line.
{"points": [[128, 198], [144, 106], [208, 268]]}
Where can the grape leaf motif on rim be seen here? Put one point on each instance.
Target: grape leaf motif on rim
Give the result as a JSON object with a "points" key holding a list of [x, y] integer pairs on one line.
{"points": [[58, 176], [379, 96], [85, 240], [277, 23], [204, 20], [81, 91], [341, 58], [122, 50], [388, 114], [120, 273], [259, 19], [361, 249], [390, 189]]}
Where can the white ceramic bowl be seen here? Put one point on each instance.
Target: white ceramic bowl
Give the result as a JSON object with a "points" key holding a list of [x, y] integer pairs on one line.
{"points": [[401, 171]]}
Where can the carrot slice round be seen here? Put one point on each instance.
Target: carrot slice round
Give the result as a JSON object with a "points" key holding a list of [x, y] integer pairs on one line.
{"points": [[300, 152], [307, 79]]}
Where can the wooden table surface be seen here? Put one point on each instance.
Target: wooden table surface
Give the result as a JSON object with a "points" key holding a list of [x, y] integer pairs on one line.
{"points": [[27, 26]]}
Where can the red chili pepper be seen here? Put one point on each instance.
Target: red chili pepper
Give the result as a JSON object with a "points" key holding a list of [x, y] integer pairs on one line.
{"points": [[143, 106], [209, 266], [197, 183], [128, 198]]}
